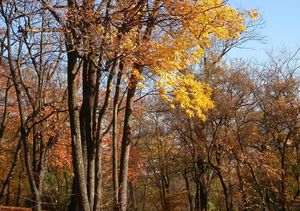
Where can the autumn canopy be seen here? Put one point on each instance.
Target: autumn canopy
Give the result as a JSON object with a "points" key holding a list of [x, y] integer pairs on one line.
{"points": [[130, 105]]}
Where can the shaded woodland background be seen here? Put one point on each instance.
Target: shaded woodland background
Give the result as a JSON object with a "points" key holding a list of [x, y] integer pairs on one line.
{"points": [[85, 125]]}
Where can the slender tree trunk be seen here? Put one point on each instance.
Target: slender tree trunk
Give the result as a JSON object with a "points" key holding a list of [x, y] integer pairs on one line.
{"points": [[201, 201], [98, 140], [282, 183], [126, 144], [197, 197], [7, 196], [115, 142], [187, 185], [225, 192], [74, 204], [166, 192], [84, 114], [98, 186], [228, 201], [23, 127], [132, 205], [298, 164], [19, 190], [123, 177], [200, 198], [86, 124], [4, 113]]}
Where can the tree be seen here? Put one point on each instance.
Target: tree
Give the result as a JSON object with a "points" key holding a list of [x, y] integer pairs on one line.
{"points": [[166, 37], [33, 77], [107, 41]]}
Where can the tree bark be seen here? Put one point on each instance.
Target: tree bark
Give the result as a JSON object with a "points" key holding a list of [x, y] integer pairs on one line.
{"points": [[187, 185], [115, 141], [126, 143], [86, 124], [77, 154], [4, 113]]}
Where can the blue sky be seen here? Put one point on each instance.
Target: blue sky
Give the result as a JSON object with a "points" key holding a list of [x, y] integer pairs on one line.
{"points": [[282, 26]]}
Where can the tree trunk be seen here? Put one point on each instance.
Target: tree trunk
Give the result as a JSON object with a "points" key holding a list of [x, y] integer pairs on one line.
{"points": [[115, 142], [98, 161], [225, 192], [298, 164], [86, 124], [19, 190], [201, 201], [23, 126], [187, 185], [282, 183], [98, 186], [126, 143], [78, 162], [4, 113]]}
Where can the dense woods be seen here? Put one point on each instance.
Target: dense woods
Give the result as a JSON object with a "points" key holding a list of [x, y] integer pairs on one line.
{"points": [[132, 105]]}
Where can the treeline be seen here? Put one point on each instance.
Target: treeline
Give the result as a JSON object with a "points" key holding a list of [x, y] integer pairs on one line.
{"points": [[245, 156], [130, 105]]}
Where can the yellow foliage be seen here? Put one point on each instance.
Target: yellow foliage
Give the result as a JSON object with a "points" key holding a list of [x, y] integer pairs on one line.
{"points": [[184, 29], [177, 48], [188, 93], [253, 14]]}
